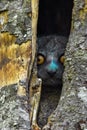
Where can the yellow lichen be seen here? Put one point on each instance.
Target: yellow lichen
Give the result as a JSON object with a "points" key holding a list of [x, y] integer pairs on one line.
{"points": [[21, 91], [83, 11], [3, 18], [14, 59]]}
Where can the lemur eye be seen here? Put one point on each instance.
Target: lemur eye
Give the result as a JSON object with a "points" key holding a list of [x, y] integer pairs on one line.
{"points": [[40, 59], [62, 59]]}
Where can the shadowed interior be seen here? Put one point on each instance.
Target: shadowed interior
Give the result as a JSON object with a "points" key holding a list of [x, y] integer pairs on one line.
{"points": [[54, 19]]}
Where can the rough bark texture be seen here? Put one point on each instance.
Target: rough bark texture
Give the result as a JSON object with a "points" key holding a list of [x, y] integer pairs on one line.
{"points": [[15, 63], [16, 60], [71, 113]]}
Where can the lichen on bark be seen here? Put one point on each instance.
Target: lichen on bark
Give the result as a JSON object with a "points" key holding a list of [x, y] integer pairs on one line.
{"points": [[71, 112], [15, 61]]}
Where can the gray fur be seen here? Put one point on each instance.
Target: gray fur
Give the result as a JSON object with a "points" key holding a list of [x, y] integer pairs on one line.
{"points": [[51, 46]]}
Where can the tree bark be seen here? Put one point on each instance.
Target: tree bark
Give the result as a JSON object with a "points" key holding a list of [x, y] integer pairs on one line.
{"points": [[71, 112], [17, 56], [15, 63]]}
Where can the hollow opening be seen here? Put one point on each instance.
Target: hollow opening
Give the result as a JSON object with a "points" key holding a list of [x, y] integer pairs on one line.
{"points": [[54, 19]]}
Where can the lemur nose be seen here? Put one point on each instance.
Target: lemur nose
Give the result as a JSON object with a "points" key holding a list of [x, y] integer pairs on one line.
{"points": [[52, 68]]}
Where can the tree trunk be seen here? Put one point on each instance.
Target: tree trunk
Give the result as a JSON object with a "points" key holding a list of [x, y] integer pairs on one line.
{"points": [[15, 63], [71, 112], [17, 56]]}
